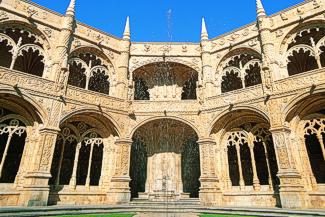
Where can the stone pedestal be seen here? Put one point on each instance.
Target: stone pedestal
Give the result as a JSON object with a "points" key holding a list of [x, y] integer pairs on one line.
{"points": [[35, 188], [210, 193], [119, 191], [292, 192], [35, 191]]}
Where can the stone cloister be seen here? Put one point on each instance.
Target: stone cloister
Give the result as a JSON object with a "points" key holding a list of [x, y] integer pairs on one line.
{"points": [[88, 118]]}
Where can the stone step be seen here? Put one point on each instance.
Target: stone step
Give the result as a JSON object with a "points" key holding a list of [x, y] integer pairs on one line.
{"points": [[181, 202], [71, 210]]}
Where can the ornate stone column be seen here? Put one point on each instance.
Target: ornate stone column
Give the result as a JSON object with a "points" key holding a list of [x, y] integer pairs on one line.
{"points": [[35, 188], [256, 181], [58, 174], [92, 144], [108, 162], [210, 193], [268, 165], [240, 169], [73, 180], [292, 191], [225, 163], [119, 190]]}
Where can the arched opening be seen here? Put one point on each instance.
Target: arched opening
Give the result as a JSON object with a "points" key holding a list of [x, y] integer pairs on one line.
{"points": [[165, 161], [91, 70], [18, 121], [21, 50], [305, 51], [240, 69], [231, 81], [314, 141], [5, 51], [307, 117], [78, 155], [249, 152], [165, 81], [12, 143]]}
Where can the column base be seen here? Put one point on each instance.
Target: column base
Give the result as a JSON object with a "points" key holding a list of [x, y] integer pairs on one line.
{"points": [[292, 192], [210, 194], [35, 191], [119, 192]]}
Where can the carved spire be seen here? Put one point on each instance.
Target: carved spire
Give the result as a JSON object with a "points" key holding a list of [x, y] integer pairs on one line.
{"points": [[71, 8], [204, 32], [260, 9], [127, 34]]}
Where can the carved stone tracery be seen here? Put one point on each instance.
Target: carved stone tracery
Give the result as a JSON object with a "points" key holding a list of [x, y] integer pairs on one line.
{"points": [[240, 71], [23, 51], [89, 71]]}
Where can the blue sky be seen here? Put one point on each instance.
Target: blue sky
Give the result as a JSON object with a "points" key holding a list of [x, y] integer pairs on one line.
{"points": [[167, 20]]}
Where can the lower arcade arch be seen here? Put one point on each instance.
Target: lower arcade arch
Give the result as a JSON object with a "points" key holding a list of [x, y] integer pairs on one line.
{"points": [[79, 151], [18, 123], [165, 161], [247, 152], [307, 118]]}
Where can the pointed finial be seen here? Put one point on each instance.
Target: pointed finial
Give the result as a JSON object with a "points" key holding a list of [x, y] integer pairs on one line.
{"points": [[204, 32], [127, 34], [260, 9], [71, 8]]}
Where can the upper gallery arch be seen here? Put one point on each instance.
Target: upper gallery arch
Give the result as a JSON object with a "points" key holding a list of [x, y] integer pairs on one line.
{"points": [[91, 69], [303, 47], [24, 48], [240, 68], [165, 80]]}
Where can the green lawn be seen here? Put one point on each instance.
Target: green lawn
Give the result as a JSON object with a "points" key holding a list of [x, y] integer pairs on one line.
{"points": [[99, 215], [223, 215]]}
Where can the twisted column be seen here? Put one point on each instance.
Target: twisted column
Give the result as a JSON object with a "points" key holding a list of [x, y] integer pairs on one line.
{"points": [[120, 191], [268, 166], [241, 177], [256, 181], [73, 180], [92, 143], [57, 180]]}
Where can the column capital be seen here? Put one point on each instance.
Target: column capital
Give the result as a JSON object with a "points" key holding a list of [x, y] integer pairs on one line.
{"points": [[124, 141], [280, 129], [206, 141], [49, 130]]}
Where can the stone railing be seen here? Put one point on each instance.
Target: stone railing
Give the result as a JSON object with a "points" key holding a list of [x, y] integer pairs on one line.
{"points": [[246, 95], [42, 86], [188, 106], [87, 97], [300, 81], [26, 81]]}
